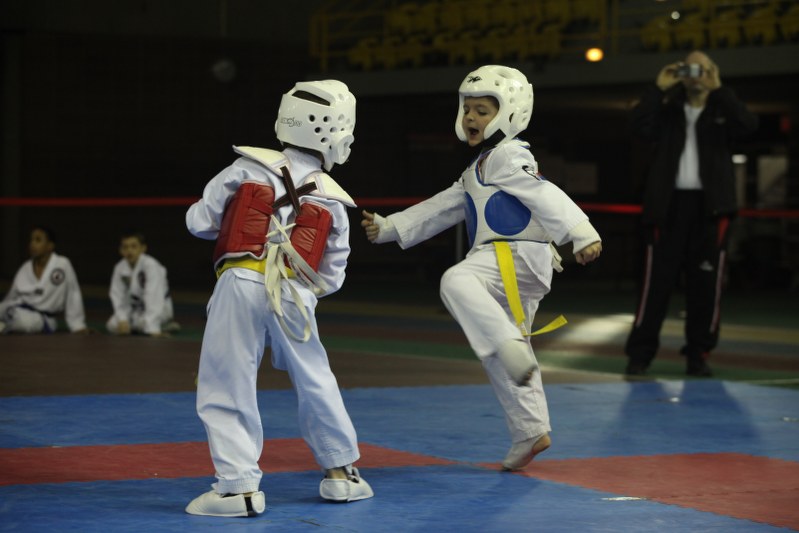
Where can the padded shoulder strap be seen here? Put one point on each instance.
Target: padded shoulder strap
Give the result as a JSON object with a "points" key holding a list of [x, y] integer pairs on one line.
{"points": [[326, 187], [271, 159]]}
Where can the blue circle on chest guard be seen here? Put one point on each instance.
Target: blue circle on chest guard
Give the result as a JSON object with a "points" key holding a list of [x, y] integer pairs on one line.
{"points": [[505, 214]]}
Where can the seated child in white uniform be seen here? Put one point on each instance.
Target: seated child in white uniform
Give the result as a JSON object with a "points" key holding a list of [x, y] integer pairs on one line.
{"points": [[139, 291], [44, 286], [512, 216], [282, 241]]}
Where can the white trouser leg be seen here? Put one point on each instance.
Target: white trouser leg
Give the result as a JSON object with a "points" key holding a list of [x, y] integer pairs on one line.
{"points": [[137, 323], [232, 348], [474, 294], [138, 320], [472, 291], [324, 422], [21, 320], [525, 406], [112, 325]]}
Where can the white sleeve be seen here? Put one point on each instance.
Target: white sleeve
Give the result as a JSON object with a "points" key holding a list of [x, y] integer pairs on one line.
{"points": [[118, 293], [386, 230], [204, 217], [154, 296], [73, 309], [334, 262], [430, 217], [582, 235]]}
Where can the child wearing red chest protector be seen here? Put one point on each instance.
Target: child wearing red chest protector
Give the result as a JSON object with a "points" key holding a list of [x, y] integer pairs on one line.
{"points": [[282, 237]]}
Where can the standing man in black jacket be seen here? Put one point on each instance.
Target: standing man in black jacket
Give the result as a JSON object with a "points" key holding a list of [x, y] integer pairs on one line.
{"points": [[689, 200]]}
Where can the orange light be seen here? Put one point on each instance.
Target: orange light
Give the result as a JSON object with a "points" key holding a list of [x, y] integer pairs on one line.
{"points": [[594, 54]]}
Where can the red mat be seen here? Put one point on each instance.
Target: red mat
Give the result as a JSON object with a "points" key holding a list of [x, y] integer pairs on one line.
{"points": [[731, 484], [22, 466]]}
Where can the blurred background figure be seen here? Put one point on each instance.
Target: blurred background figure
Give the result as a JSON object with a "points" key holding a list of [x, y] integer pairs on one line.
{"points": [[689, 199], [44, 286], [139, 291]]}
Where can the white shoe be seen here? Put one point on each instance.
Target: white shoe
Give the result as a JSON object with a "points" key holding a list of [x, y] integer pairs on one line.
{"points": [[2, 327], [517, 358], [214, 504], [346, 490], [521, 453]]}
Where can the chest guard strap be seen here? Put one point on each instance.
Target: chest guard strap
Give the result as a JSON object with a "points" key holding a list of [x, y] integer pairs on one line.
{"points": [[245, 223]]}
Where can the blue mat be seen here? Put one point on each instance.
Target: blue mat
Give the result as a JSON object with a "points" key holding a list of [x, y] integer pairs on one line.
{"points": [[461, 423]]}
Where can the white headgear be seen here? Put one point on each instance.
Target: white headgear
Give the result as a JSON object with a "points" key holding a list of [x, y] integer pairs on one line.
{"points": [[326, 128], [511, 89]]}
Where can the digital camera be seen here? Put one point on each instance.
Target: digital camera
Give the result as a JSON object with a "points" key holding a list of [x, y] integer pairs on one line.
{"points": [[689, 70]]}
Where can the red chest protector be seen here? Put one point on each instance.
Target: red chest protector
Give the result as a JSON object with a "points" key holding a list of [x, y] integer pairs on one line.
{"points": [[309, 236], [246, 222], [247, 219]]}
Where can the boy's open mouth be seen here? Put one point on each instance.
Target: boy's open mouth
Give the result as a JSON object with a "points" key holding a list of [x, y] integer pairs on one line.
{"points": [[473, 131]]}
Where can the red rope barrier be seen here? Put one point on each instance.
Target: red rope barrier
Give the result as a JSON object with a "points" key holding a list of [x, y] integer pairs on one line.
{"points": [[626, 209], [185, 201]]}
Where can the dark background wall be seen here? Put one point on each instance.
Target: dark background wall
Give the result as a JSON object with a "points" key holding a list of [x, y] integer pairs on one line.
{"points": [[132, 99]]}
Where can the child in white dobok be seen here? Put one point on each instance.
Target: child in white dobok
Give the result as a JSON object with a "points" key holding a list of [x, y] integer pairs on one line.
{"points": [[44, 286], [139, 291], [282, 241], [512, 216]]}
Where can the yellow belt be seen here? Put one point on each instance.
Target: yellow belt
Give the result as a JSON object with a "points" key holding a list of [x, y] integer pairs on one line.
{"points": [[508, 272], [250, 263]]}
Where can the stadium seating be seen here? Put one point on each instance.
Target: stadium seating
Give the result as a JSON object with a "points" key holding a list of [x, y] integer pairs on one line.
{"points": [[418, 33]]}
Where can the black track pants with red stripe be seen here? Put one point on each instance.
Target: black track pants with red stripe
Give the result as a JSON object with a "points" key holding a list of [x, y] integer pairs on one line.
{"points": [[689, 243]]}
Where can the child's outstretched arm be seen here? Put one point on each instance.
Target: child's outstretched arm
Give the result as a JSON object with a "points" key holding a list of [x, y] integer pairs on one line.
{"points": [[418, 222]]}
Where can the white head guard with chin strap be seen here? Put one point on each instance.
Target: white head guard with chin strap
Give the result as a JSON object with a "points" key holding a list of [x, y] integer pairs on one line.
{"points": [[513, 93], [326, 128]]}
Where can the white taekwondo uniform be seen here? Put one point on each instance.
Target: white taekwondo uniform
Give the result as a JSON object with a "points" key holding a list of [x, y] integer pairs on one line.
{"points": [[241, 323], [32, 303], [504, 200], [140, 296]]}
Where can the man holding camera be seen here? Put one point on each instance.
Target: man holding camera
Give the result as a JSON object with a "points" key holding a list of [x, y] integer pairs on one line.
{"points": [[689, 198]]}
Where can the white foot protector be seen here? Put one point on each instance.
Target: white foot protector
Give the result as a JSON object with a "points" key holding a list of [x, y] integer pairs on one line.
{"points": [[346, 490], [521, 453], [214, 504], [518, 360]]}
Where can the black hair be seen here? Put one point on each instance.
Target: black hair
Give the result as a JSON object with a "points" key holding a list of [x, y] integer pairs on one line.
{"points": [[133, 234], [48, 232]]}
